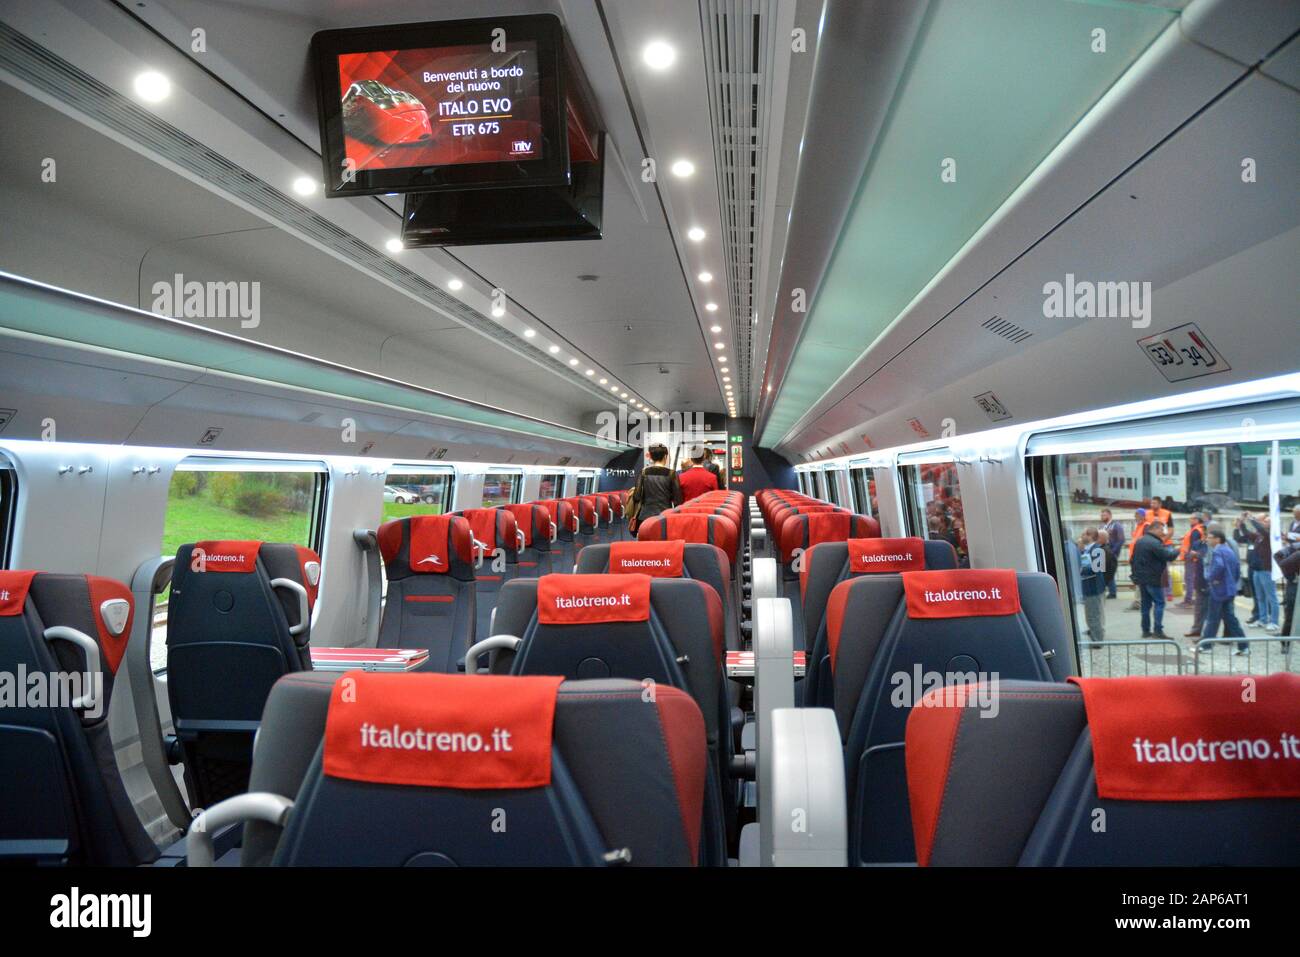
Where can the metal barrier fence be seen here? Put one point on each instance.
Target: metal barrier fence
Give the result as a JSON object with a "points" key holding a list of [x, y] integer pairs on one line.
{"points": [[1206, 661], [1088, 664]]}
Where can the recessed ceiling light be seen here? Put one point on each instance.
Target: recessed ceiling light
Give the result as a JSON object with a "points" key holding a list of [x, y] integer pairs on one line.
{"points": [[719, 345], [682, 168], [769, 390], [706, 276], [455, 285], [725, 370], [591, 372], [613, 388], [573, 362], [695, 234], [152, 86], [498, 311], [715, 329], [603, 381], [304, 186], [722, 358], [659, 55], [711, 306], [726, 378], [622, 395], [554, 349], [394, 245], [529, 333]]}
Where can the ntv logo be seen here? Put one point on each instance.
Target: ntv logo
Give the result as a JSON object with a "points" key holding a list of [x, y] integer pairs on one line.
{"points": [[1084, 299], [209, 300], [630, 427]]}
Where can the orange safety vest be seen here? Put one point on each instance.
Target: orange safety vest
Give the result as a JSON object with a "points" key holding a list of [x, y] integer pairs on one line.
{"points": [[1137, 533], [1187, 539]]}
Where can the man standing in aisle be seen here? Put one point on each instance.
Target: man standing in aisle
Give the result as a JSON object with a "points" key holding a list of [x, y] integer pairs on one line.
{"points": [[1151, 558], [696, 480]]}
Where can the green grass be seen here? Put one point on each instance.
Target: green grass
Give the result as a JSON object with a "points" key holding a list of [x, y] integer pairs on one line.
{"points": [[192, 518], [393, 510]]}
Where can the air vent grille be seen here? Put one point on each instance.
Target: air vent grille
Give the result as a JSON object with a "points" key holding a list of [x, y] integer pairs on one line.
{"points": [[62, 80], [1006, 329], [738, 48]]}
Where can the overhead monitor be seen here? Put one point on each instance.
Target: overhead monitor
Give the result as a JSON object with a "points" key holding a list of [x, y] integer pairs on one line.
{"points": [[461, 104]]}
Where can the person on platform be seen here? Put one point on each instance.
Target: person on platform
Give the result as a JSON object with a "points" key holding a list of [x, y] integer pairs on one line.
{"points": [[1093, 571], [1151, 558], [1223, 571], [1114, 542]]}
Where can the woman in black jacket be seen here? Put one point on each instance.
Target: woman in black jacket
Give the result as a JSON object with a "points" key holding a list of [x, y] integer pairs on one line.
{"points": [[656, 489]]}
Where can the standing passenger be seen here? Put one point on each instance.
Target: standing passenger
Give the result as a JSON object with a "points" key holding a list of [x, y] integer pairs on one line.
{"points": [[697, 479], [656, 489], [712, 466]]}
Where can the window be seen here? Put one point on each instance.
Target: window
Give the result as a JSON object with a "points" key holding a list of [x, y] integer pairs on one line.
{"points": [[1223, 486], [501, 488], [8, 509], [586, 484], [239, 499], [819, 485], [551, 486], [833, 487], [412, 491], [803, 481], [932, 503], [863, 483]]}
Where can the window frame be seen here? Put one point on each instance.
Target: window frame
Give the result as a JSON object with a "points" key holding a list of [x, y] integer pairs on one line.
{"points": [[406, 468], [319, 508], [861, 494], [516, 490], [561, 478], [8, 508]]}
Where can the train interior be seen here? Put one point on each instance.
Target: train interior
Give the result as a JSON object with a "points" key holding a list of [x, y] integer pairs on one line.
{"points": [[335, 339]]}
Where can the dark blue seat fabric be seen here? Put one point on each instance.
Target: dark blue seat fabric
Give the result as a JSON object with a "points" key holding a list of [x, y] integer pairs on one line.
{"points": [[825, 565], [680, 644], [534, 522], [432, 593], [625, 785], [498, 531], [881, 660], [63, 801], [1022, 789], [238, 617]]}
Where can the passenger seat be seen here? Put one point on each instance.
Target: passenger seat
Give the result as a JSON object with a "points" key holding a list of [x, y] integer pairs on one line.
{"points": [[498, 531], [63, 801], [663, 630], [535, 554], [432, 601], [1181, 771], [889, 637], [238, 617], [593, 775]]}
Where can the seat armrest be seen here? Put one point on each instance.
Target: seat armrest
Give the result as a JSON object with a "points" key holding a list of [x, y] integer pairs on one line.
{"points": [[808, 803]]}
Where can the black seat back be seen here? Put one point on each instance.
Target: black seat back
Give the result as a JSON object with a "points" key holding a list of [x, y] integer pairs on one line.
{"points": [[1087, 776], [238, 617], [480, 771], [63, 801], [827, 564], [891, 637], [432, 594]]}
